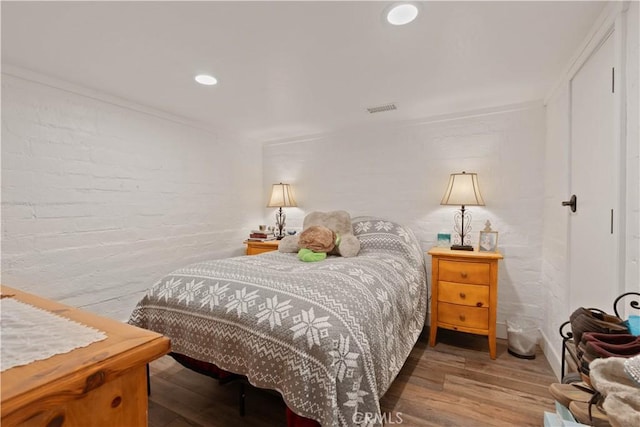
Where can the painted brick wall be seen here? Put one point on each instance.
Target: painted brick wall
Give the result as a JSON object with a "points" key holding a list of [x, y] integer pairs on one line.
{"points": [[555, 280], [99, 200], [400, 172]]}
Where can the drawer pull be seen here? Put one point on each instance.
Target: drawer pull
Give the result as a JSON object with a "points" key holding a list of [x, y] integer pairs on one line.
{"points": [[463, 295], [462, 318], [463, 274], [478, 304]]}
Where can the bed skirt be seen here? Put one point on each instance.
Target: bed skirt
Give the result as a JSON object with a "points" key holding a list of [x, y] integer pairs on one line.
{"points": [[211, 370]]}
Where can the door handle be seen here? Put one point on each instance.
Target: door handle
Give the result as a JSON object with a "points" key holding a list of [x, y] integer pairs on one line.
{"points": [[572, 203]]}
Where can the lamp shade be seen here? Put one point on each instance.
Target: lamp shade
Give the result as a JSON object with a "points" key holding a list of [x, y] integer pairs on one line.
{"points": [[463, 190], [281, 196]]}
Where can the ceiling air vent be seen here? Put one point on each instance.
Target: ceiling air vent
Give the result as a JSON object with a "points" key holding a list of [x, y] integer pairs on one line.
{"points": [[381, 108]]}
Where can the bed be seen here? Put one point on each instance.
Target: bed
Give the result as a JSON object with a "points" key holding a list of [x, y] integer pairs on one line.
{"points": [[329, 336]]}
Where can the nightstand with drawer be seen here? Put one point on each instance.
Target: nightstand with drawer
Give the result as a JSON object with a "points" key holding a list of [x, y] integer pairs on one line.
{"points": [[255, 247], [464, 293]]}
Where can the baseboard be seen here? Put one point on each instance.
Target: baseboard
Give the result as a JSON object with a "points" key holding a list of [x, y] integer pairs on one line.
{"points": [[551, 353]]}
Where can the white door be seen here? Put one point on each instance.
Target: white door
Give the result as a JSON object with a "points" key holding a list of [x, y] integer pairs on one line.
{"points": [[593, 233]]}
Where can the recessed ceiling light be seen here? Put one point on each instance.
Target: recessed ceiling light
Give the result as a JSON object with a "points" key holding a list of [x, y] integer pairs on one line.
{"points": [[401, 14], [205, 79]]}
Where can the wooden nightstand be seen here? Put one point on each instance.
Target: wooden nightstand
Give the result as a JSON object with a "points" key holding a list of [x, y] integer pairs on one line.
{"points": [[256, 247], [464, 293]]}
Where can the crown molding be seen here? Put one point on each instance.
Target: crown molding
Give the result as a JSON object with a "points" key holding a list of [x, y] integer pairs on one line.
{"points": [[440, 118], [53, 82]]}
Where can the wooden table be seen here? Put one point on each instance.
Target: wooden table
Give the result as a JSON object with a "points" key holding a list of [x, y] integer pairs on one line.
{"points": [[102, 384], [464, 293], [255, 247]]}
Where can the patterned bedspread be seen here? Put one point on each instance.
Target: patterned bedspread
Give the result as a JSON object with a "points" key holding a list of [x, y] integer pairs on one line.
{"points": [[330, 336]]}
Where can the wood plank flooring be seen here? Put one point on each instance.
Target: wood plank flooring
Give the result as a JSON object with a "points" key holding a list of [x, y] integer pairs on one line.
{"points": [[454, 383]]}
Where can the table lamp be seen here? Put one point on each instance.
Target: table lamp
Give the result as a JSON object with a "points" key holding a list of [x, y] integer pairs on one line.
{"points": [[462, 190], [281, 197]]}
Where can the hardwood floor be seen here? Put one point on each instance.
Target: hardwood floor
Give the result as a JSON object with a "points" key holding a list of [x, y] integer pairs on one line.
{"points": [[454, 383]]}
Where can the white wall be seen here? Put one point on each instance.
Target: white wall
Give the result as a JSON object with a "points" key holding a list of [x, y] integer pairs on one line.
{"points": [[100, 200], [555, 281], [400, 172]]}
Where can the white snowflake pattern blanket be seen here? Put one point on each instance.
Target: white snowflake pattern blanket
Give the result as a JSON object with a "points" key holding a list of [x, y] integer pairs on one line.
{"points": [[330, 336]]}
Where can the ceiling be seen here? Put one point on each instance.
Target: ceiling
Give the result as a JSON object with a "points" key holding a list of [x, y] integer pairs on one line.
{"points": [[287, 69]]}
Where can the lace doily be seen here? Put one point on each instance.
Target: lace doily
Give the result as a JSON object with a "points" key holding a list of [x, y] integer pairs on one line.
{"points": [[29, 333], [632, 368]]}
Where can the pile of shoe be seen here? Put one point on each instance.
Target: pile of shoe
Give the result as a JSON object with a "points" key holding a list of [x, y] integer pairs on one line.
{"points": [[597, 334], [594, 345], [594, 320], [612, 396], [609, 364]]}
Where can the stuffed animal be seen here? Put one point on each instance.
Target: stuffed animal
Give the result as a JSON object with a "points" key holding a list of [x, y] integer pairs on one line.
{"points": [[315, 242], [318, 239], [337, 221]]}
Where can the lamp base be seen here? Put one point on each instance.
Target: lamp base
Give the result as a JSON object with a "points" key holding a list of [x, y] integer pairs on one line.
{"points": [[461, 248]]}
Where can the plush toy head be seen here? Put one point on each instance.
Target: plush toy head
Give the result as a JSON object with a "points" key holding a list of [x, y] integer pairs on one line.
{"points": [[317, 238], [337, 221]]}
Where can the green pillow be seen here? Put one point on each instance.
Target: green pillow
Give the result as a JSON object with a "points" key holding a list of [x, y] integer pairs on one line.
{"points": [[307, 255]]}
